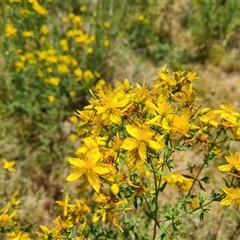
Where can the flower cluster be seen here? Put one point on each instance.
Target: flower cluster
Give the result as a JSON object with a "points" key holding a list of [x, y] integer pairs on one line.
{"points": [[232, 190], [128, 137], [10, 224], [63, 53], [226, 119], [73, 213]]}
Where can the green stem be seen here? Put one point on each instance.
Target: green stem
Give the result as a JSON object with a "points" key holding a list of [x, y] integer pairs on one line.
{"points": [[192, 211], [146, 200], [156, 201], [195, 179]]}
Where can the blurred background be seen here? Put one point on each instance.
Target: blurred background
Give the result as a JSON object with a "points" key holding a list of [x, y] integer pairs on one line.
{"points": [[52, 52]]}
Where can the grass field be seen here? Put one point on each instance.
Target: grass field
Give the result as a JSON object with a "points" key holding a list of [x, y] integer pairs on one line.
{"points": [[52, 52]]}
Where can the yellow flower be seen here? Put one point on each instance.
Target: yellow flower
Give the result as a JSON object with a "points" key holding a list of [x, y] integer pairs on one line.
{"points": [[44, 29], [106, 43], [24, 12], [90, 166], [71, 15], [233, 197], [88, 76], [63, 68], [90, 143], [64, 44], [178, 180], [39, 9], [194, 203], [141, 139], [141, 18], [45, 230], [181, 123], [73, 138], [227, 108], [49, 70], [111, 106], [77, 19], [115, 189], [54, 81], [164, 80], [209, 117], [65, 19], [40, 73], [64, 204], [234, 162], [42, 55], [43, 39], [74, 62], [65, 59], [8, 165], [72, 94], [28, 34], [18, 235], [82, 38], [106, 24], [90, 39], [52, 51], [73, 119], [83, 8], [90, 50], [10, 30], [19, 65], [5, 220], [109, 212], [51, 98], [231, 119]]}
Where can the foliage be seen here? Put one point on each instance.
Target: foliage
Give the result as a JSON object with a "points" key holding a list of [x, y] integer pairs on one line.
{"points": [[130, 138], [213, 23]]}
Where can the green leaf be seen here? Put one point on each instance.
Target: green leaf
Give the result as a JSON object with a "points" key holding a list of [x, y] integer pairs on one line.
{"points": [[187, 176], [135, 203], [201, 186], [162, 228], [162, 173], [205, 179], [149, 214], [182, 148], [162, 187], [227, 183]]}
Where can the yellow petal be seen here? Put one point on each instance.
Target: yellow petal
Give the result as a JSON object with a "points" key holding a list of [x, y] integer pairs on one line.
{"points": [[122, 103], [45, 229], [100, 109], [92, 156], [226, 201], [101, 168], [94, 181], [116, 117], [142, 151], [115, 189], [155, 145], [77, 162], [153, 120], [133, 131], [228, 190], [229, 117], [225, 168], [129, 144], [214, 123], [151, 106], [74, 176], [165, 124]]}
